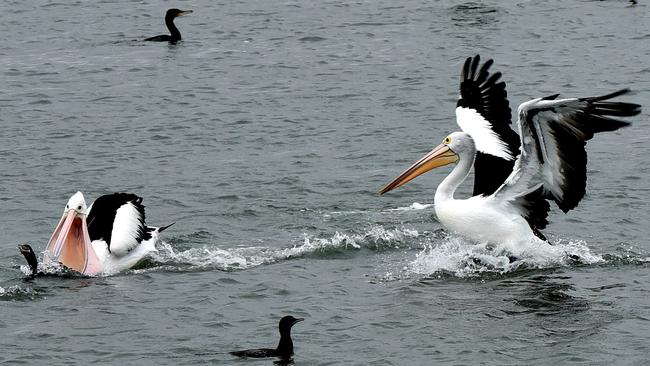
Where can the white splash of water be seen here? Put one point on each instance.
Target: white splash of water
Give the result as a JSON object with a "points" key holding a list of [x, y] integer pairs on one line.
{"points": [[10, 289], [52, 268], [14, 290], [464, 259], [414, 207], [376, 237], [25, 270]]}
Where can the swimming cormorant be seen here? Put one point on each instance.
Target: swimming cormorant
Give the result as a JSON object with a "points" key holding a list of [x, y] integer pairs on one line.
{"points": [[169, 21], [27, 251], [285, 347]]}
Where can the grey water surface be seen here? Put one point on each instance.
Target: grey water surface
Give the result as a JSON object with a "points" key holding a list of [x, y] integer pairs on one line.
{"points": [[265, 135]]}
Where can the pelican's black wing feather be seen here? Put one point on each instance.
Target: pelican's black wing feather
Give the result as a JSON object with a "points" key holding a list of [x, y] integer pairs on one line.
{"points": [[104, 210], [485, 94]]}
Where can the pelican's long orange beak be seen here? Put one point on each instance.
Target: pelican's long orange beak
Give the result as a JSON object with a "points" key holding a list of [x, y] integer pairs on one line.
{"points": [[70, 245], [440, 156]]}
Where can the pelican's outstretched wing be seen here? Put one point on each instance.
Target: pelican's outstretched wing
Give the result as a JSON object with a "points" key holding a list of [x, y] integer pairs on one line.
{"points": [[118, 219], [483, 112], [553, 137]]}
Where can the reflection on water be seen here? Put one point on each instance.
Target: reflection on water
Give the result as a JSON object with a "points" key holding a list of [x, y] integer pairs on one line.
{"points": [[476, 14], [548, 295], [559, 313]]}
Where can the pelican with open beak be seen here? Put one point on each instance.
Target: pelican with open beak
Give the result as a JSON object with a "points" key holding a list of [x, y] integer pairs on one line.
{"points": [[70, 242], [105, 238]]}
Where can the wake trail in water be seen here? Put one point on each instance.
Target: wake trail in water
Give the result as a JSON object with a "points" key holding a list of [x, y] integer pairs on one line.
{"points": [[13, 290], [375, 238], [414, 207]]}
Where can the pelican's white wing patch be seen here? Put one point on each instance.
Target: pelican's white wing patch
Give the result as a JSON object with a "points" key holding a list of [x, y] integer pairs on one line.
{"points": [[486, 140], [126, 229]]}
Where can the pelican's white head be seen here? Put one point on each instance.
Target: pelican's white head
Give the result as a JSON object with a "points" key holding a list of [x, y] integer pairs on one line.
{"points": [[77, 203], [460, 143], [70, 242]]}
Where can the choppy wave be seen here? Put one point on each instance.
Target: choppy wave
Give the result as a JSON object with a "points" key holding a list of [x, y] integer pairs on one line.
{"points": [[375, 238], [628, 254], [170, 257], [16, 292], [414, 207], [458, 257], [51, 269], [436, 254]]}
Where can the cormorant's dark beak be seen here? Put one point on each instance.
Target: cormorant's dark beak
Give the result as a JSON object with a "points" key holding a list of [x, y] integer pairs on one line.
{"points": [[184, 12], [297, 320]]}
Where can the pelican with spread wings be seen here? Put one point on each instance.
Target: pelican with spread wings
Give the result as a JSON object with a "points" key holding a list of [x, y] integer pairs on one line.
{"points": [[514, 178]]}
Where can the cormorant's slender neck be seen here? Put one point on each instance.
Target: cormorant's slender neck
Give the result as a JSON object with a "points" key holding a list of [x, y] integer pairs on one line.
{"points": [[448, 186], [285, 347], [175, 34], [29, 255]]}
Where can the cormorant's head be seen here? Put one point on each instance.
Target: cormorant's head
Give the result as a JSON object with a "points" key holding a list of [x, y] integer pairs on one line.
{"points": [[287, 322], [173, 13], [26, 249]]}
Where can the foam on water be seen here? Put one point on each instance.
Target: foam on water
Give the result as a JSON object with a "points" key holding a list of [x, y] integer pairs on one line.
{"points": [[16, 292], [52, 268], [9, 290], [628, 254], [415, 206], [456, 256], [167, 256], [375, 238]]}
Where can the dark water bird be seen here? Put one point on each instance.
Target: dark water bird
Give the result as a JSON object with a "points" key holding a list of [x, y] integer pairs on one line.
{"points": [[27, 251], [551, 164], [285, 346], [175, 35]]}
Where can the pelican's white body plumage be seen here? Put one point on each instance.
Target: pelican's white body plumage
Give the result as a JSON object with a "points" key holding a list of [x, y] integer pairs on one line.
{"points": [[113, 263], [484, 219]]}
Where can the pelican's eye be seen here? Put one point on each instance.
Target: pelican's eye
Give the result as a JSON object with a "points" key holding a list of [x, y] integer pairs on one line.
{"points": [[447, 140], [79, 207]]}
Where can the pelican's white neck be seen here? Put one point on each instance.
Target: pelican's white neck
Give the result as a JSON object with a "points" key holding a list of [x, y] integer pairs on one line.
{"points": [[448, 186]]}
